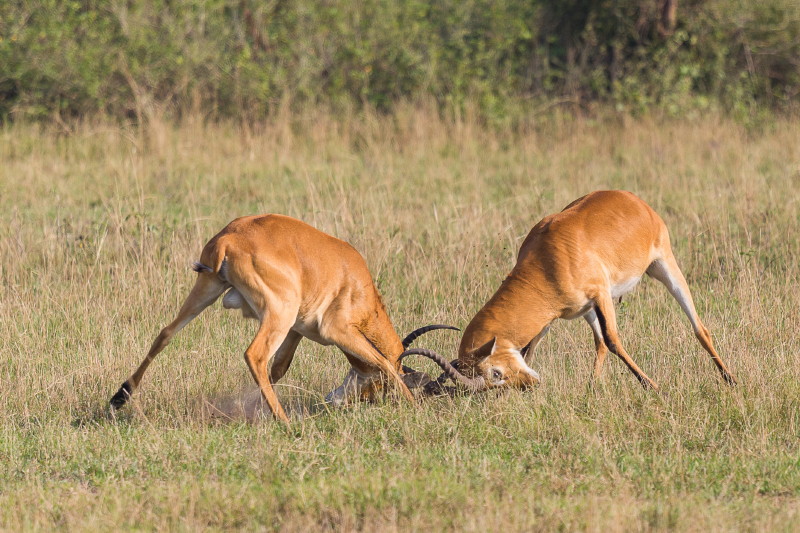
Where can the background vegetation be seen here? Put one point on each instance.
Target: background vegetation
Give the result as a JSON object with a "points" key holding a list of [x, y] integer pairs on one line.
{"points": [[97, 232], [247, 58], [432, 136]]}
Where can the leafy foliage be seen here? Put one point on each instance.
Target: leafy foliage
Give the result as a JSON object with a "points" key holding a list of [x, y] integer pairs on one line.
{"points": [[244, 58]]}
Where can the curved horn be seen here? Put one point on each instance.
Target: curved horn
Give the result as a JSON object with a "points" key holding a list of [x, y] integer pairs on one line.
{"points": [[473, 384], [411, 337], [443, 376]]}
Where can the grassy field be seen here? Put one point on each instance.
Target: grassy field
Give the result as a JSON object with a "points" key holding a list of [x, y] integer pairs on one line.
{"points": [[98, 227]]}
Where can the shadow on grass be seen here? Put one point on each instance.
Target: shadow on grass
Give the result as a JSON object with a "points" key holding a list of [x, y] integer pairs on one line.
{"points": [[298, 403], [249, 406], [245, 406], [101, 414]]}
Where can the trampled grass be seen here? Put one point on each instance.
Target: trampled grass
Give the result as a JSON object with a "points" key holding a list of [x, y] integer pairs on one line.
{"points": [[98, 227]]}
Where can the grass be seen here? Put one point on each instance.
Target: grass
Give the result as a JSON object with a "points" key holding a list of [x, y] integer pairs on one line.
{"points": [[98, 227]]}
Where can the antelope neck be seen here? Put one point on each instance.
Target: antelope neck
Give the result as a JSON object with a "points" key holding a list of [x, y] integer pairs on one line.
{"points": [[514, 315]]}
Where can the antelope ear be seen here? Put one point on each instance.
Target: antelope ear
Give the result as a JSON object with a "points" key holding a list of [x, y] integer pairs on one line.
{"points": [[485, 351]]}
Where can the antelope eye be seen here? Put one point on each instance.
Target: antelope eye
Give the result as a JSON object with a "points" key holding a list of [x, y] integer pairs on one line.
{"points": [[497, 375]]}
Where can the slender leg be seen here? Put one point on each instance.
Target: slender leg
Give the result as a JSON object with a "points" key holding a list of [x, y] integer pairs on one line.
{"points": [[270, 336], [283, 357], [599, 345], [528, 350], [667, 272], [604, 308], [206, 290], [354, 343], [277, 310]]}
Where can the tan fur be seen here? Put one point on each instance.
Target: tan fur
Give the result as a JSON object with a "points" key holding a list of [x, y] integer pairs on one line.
{"points": [[299, 282], [570, 265]]}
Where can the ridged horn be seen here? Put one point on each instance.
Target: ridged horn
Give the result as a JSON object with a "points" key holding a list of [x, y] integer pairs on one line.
{"points": [[472, 384], [411, 337]]}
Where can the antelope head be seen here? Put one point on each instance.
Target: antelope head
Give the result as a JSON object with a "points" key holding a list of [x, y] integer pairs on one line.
{"points": [[499, 365], [489, 366]]}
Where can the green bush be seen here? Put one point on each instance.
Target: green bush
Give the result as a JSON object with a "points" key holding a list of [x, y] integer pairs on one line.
{"points": [[243, 58]]}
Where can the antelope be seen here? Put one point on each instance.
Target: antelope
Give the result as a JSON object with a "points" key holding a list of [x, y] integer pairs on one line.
{"points": [[298, 282], [572, 264]]}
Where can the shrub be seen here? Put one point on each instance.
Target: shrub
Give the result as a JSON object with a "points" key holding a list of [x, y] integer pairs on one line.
{"points": [[242, 58]]}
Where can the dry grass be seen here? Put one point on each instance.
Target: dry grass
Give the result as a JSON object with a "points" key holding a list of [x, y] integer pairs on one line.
{"points": [[99, 225]]}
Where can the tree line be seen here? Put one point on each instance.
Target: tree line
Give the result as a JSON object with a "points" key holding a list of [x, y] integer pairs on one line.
{"points": [[244, 58]]}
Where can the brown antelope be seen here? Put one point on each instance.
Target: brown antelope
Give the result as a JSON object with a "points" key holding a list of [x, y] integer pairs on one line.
{"points": [[298, 282], [572, 264]]}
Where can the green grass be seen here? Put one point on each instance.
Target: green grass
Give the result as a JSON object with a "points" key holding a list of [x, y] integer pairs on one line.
{"points": [[98, 227]]}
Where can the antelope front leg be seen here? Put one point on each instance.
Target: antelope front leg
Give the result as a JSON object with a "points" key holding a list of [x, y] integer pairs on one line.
{"points": [[528, 351], [355, 344], [604, 308]]}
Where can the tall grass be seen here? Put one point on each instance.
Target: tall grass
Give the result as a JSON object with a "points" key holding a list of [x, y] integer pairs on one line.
{"points": [[98, 227]]}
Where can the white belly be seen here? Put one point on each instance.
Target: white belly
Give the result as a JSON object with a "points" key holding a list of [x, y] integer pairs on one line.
{"points": [[624, 286], [579, 312], [310, 330]]}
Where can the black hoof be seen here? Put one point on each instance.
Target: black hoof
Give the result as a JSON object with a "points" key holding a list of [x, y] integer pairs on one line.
{"points": [[121, 397]]}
